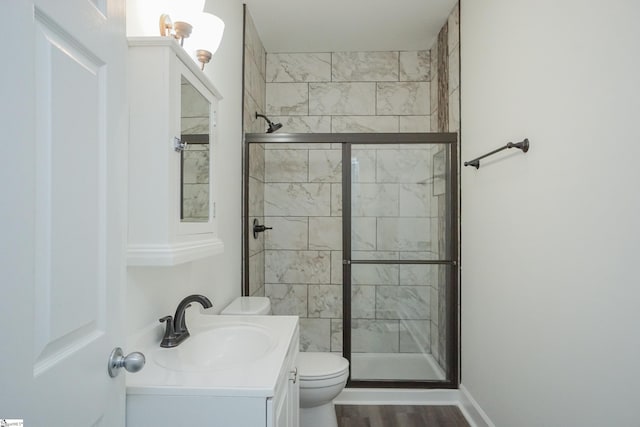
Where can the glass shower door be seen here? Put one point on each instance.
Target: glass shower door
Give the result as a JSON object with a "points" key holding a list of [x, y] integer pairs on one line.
{"points": [[400, 262]]}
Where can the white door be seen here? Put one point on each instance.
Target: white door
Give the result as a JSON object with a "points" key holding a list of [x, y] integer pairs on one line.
{"points": [[62, 229]]}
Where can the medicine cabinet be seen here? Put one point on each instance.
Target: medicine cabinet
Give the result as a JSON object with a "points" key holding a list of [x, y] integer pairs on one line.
{"points": [[172, 141]]}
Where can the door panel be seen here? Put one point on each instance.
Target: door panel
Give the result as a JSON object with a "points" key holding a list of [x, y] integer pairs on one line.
{"points": [[70, 266], [63, 256]]}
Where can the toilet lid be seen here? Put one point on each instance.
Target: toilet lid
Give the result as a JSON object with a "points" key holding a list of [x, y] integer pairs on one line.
{"points": [[319, 365], [248, 306]]}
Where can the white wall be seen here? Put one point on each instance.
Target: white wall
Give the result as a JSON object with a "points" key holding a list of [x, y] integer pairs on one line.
{"points": [[550, 239], [225, 71], [155, 292]]}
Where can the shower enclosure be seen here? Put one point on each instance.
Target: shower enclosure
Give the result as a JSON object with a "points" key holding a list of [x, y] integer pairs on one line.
{"points": [[363, 246]]}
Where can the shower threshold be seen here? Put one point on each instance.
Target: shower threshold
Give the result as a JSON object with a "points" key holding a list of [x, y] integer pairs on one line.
{"points": [[395, 366]]}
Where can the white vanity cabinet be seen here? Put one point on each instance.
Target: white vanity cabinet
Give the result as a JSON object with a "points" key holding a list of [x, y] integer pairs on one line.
{"points": [[283, 410], [171, 187], [259, 393]]}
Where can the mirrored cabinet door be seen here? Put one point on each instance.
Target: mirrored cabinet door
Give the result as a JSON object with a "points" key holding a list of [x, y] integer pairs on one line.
{"points": [[195, 157]]}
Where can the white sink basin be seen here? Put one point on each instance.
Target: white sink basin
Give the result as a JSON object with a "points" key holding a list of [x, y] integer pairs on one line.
{"points": [[217, 347], [224, 356]]}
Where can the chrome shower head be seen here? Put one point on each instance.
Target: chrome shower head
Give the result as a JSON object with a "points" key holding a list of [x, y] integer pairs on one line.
{"points": [[272, 126]]}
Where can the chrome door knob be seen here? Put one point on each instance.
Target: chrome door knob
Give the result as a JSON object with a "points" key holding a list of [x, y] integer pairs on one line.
{"points": [[132, 362]]}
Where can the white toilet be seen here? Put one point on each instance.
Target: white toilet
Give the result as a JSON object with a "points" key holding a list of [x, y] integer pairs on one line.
{"points": [[322, 375], [322, 378]]}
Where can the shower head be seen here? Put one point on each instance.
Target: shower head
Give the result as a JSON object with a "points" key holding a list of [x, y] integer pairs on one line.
{"points": [[272, 126]]}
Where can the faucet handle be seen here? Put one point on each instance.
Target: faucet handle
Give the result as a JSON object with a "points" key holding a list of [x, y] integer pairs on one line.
{"points": [[169, 331]]}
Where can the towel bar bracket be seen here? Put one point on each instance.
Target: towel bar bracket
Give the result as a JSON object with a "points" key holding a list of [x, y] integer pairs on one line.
{"points": [[523, 145]]}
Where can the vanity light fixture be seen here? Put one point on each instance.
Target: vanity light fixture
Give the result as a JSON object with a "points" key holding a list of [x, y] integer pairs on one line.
{"points": [[183, 10], [180, 30], [199, 33], [203, 41], [204, 56]]}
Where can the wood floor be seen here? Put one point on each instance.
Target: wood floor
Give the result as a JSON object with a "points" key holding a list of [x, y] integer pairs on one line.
{"points": [[399, 416]]}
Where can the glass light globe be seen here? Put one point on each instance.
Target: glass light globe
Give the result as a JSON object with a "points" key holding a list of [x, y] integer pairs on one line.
{"points": [[206, 36]]}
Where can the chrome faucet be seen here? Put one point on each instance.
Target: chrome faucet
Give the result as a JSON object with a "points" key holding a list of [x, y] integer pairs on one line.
{"points": [[176, 330]]}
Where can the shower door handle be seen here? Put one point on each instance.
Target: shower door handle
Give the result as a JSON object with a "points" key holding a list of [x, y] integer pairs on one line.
{"points": [[259, 228]]}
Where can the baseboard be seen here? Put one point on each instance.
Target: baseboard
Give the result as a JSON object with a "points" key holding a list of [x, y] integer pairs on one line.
{"points": [[472, 410]]}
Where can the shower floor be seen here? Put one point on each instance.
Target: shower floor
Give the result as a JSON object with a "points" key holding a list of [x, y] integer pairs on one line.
{"points": [[395, 366]]}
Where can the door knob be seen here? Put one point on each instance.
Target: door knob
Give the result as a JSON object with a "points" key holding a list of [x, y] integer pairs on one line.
{"points": [[259, 228], [132, 362]]}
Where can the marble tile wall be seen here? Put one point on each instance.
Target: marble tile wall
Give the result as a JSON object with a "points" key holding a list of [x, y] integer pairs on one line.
{"points": [[350, 91], [254, 101], [298, 187]]}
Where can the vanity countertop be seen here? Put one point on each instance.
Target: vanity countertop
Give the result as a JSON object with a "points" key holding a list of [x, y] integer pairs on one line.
{"points": [[255, 378]]}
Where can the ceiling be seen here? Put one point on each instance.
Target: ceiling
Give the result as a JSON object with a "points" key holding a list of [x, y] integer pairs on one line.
{"points": [[348, 25]]}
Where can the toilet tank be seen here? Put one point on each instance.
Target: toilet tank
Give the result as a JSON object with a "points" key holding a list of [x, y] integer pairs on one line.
{"points": [[248, 306]]}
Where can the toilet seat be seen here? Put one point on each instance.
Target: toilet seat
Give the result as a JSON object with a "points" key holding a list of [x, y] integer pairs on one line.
{"points": [[315, 366]]}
